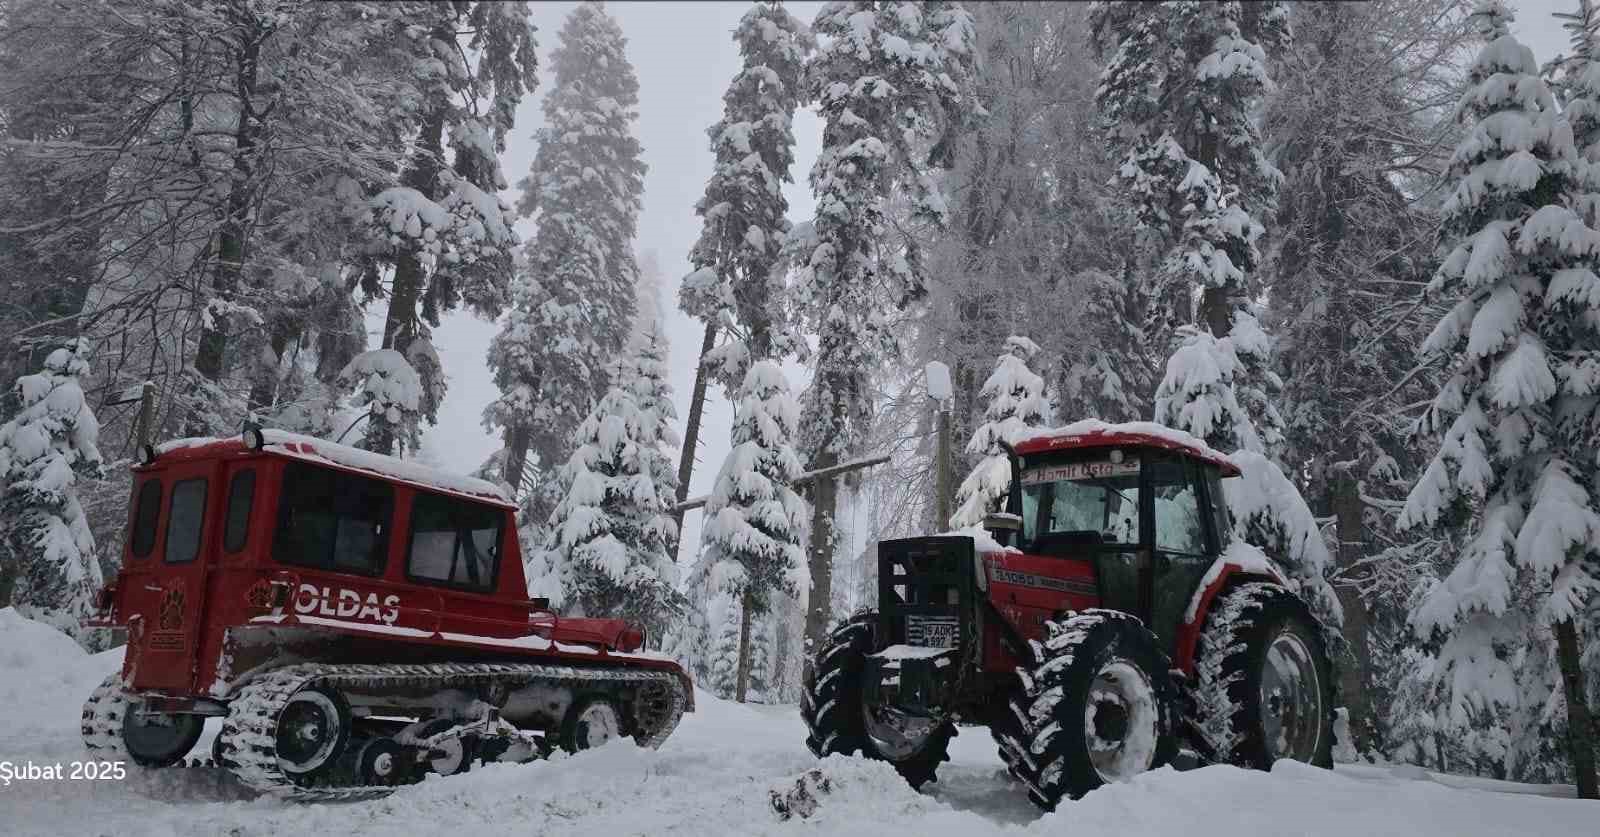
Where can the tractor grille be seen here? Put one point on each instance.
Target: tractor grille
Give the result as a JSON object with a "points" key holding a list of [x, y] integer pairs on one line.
{"points": [[926, 592]]}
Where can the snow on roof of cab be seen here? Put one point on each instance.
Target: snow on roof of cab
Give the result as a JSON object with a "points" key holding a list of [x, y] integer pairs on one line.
{"points": [[1089, 433], [312, 449]]}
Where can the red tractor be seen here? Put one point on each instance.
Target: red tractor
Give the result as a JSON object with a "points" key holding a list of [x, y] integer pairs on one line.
{"points": [[355, 620], [1105, 619]]}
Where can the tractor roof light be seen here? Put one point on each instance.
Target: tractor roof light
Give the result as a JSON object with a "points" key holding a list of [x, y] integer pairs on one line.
{"points": [[147, 454], [254, 439]]}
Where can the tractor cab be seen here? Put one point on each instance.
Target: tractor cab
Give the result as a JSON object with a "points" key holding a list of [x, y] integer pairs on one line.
{"points": [[1143, 508]]}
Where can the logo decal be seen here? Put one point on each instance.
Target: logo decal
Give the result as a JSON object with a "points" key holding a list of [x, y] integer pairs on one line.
{"points": [[345, 603], [1064, 585], [171, 613], [259, 596]]}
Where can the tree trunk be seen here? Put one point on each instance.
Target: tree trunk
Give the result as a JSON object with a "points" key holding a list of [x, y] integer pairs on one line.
{"points": [[691, 429], [518, 437], [1356, 674], [1216, 311], [1580, 724], [742, 681], [401, 325], [819, 604], [231, 233]]}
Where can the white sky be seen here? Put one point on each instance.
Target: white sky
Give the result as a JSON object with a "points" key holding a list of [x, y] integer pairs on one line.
{"points": [[684, 55]]}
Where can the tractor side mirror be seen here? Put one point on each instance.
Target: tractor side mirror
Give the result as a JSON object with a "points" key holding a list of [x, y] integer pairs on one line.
{"points": [[1004, 526]]}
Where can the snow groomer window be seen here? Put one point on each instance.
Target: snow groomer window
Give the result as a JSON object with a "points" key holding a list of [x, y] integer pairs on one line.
{"points": [[146, 511], [453, 542], [185, 520], [332, 520]]}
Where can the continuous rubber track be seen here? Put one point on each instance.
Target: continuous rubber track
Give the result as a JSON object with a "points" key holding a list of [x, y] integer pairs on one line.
{"points": [[103, 713], [249, 732]]}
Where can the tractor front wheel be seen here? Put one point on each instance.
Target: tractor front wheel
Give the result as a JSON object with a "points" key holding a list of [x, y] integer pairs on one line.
{"points": [[840, 719], [1264, 683], [1094, 708]]}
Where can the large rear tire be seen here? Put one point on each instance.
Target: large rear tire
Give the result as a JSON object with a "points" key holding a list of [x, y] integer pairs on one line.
{"points": [[839, 720], [1264, 682], [1094, 708]]}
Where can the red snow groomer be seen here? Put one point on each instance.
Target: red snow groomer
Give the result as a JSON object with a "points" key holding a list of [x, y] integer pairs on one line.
{"points": [[356, 621], [1103, 620]]}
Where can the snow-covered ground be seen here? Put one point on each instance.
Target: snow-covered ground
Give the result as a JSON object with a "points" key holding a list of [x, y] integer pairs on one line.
{"points": [[713, 777]]}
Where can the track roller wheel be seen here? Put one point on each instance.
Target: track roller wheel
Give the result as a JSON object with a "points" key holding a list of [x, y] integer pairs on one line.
{"points": [[451, 755], [592, 720], [113, 721], [312, 732], [384, 761]]}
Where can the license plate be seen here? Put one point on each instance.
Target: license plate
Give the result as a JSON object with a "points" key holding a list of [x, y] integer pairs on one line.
{"points": [[932, 631]]}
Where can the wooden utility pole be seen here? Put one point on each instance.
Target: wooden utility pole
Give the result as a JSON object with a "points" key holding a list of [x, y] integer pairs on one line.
{"points": [[939, 391], [144, 429]]}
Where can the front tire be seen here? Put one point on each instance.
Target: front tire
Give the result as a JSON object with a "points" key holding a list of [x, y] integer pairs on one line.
{"points": [[1094, 708], [839, 720], [1264, 683]]}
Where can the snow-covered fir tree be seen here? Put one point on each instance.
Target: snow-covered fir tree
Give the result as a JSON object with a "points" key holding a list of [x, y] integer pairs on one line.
{"points": [[754, 520], [1017, 403], [1200, 183], [439, 233], [386, 385], [1355, 224], [734, 288], [609, 543], [721, 672], [1516, 416], [893, 85], [572, 302], [50, 443]]}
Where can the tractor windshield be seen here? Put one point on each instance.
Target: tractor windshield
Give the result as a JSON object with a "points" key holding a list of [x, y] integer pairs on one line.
{"points": [[1082, 502]]}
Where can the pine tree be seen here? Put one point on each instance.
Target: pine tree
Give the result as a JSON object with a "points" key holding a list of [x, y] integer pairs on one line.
{"points": [[1016, 403], [1346, 271], [441, 229], [45, 449], [1516, 416], [722, 671], [1193, 162], [608, 549], [733, 287], [572, 303], [753, 519], [892, 80]]}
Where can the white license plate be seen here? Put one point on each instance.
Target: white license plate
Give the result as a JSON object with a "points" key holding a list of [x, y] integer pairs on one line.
{"points": [[932, 631]]}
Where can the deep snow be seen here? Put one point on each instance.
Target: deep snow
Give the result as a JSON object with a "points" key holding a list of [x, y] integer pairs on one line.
{"points": [[713, 777]]}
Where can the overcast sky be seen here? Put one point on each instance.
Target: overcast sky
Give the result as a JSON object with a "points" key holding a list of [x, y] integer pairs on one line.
{"points": [[684, 55]]}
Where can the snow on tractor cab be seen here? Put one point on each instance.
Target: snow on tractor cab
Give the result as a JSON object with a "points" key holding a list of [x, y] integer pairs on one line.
{"points": [[1107, 618], [356, 620]]}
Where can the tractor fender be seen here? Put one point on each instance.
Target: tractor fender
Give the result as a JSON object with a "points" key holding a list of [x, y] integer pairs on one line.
{"points": [[1224, 572]]}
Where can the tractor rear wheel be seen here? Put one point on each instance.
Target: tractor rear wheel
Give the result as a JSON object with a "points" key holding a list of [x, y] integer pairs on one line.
{"points": [[1264, 683], [839, 719], [1095, 708]]}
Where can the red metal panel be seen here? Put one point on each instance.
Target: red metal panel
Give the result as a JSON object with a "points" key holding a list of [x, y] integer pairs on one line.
{"points": [[1027, 590], [1115, 438]]}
